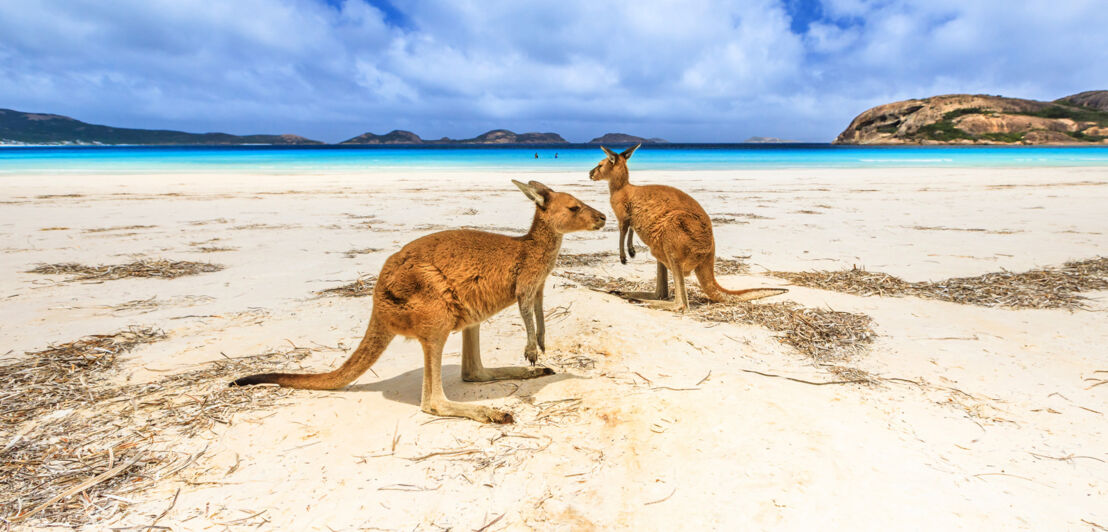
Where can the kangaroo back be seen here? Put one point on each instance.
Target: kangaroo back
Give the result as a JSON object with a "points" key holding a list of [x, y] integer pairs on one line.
{"points": [[376, 339], [706, 274]]}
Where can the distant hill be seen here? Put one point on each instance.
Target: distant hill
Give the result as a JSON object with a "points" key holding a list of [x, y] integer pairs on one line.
{"points": [[982, 119], [503, 136], [395, 136], [1093, 99], [496, 136], [37, 128], [768, 140], [623, 138]]}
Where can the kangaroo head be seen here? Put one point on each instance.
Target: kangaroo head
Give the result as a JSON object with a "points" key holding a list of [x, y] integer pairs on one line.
{"points": [[615, 165], [562, 212]]}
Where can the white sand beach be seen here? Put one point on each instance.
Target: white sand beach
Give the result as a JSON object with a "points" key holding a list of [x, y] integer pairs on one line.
{"points": [[974, 418]]}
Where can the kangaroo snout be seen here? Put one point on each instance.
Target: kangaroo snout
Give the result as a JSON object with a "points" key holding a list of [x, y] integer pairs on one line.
{"points": [[600, 220]]}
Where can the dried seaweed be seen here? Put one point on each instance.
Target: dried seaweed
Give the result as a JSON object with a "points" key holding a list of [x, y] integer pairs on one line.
{"points": [[363, 251], [160, 268], [1055, 287], [362, 287], [577, 260], [820, 334], [71, 430], [727, 220], [817, 333], [726, 266], [118, 228]]}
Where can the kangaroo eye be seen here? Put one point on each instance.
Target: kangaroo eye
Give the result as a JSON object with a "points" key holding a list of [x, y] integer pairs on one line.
{"points": [[575, 208]]}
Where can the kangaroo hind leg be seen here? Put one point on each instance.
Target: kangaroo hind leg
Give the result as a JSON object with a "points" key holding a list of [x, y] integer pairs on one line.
{"points": [[434, 401], [681, 297]]}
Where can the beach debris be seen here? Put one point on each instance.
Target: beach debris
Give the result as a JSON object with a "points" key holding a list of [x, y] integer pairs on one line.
{"points": [[160, 268], [817, 333], [363, 251], [75, 440], [362, 287], [577, 260], [735, 266], [215, 249], [150, 304], [1053, 287], [119, 228], [820, 334]]}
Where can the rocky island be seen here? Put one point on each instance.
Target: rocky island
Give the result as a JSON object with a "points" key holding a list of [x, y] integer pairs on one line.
{"points": [[982, 119], [769, 140], [496, 136], [623, 138]]}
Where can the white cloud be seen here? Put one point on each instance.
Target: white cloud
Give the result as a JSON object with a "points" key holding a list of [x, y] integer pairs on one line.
{"points": [[703, 70]]}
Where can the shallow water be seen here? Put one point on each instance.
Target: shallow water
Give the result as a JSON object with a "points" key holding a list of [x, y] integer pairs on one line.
{"points": [[576, 157]]}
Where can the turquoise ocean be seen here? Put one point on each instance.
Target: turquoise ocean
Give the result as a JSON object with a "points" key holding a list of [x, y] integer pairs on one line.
{"points": [[550, 158]]}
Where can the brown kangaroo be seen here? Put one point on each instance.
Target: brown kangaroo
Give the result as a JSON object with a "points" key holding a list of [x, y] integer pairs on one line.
{"points": [[452, 281], [675, 228]]}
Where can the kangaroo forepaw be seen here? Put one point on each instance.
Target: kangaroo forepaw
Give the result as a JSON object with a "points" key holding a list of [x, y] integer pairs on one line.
{"points": [[623, 259], [631, 251]]}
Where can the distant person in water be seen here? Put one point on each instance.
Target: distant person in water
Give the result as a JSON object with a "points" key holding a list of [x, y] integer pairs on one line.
{"points": [[536, 155], [555, 155]]}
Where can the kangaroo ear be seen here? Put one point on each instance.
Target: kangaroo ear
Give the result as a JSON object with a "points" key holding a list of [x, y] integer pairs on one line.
{"points": [[531, 192], [627, 153], [611, 154]]}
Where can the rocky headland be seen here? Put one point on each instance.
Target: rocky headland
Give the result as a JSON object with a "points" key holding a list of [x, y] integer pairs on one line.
{"points": [[982, 119]]}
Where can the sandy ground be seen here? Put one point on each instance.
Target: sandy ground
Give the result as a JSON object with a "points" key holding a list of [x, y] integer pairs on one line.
{"points": [[651, 422]]}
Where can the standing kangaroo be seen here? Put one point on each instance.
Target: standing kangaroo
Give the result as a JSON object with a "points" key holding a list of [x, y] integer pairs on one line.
{"points": [[452, 281], [675, 228]]}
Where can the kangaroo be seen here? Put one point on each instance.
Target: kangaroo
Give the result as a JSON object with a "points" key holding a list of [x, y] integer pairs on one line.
{"points": [[452, 281], [675, 228]]}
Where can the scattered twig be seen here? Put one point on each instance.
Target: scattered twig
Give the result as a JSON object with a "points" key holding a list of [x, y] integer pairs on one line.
{"points": [[81, 487], [171, 505], [490, 523], [663, 499], [443, 453], [813, 383]]}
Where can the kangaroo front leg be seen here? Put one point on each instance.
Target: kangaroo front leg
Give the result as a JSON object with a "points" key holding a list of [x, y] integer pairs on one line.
{"points": [[474, 371], [434, 401], [540, 321], [625, 232], [630, 242], [527, 310]]}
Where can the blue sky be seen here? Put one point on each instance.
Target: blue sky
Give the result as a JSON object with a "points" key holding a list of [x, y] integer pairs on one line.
{"points": [[696, 71]]}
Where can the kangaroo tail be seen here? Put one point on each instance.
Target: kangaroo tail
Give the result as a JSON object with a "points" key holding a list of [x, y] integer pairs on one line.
{"points": [[706, 274], [376, 339]]}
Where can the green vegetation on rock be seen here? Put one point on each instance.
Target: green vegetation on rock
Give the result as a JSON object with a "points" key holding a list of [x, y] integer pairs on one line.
{"points": [[1077, 114], [944, 131], [1003, 137]]}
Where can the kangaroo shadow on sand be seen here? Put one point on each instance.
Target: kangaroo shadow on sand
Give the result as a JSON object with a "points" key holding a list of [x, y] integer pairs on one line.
{"points": [[408, 386]]}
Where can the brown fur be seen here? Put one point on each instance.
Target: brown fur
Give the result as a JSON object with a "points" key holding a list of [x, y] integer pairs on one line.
{"points": [[675, 228], [452, 281]]}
